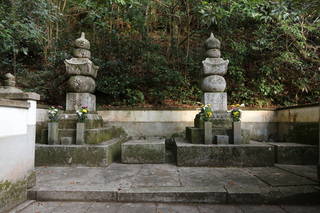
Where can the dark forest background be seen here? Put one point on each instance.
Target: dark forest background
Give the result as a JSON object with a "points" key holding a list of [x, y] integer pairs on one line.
{"points": [[150, 51]]}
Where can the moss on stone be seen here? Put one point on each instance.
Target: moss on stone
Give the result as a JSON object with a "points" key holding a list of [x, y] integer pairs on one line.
{"points": [[12, 194]]}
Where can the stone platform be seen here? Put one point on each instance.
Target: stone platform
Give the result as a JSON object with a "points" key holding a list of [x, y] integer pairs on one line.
{"points": [[144, 151], [169, 183], [294, 153], [244, 155], [74, 155]]}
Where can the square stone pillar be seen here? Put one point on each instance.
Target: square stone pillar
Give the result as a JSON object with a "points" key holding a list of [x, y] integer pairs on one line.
{"points": [[75, 101], [218, 100], [208, 137]]}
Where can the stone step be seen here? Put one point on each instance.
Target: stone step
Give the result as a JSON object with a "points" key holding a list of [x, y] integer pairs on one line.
{"points": [[143, 151], [224, 155], [295, 154], [74, 155], [169, 183]]}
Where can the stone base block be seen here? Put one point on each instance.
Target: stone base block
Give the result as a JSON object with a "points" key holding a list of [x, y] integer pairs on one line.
{"points": [[222, 139], [218, 100], [74, 155], [91, 136], [68, 120], [143, 151], [195, 135], [244, 155], [75, 101], [297, 154]]}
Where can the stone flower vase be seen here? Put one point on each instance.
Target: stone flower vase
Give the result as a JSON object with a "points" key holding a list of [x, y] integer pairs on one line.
{"points": [[80, 133], [53, 133], [236, 132]]}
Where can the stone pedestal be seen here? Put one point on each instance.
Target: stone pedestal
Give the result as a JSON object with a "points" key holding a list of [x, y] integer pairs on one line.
{"points": [[236, 132], [208, 137], [218, 100], [75, 101], [80, 133], [53, 133], [222, 139]]}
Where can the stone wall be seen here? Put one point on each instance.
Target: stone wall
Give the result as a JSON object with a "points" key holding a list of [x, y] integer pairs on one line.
{"points": [[279, 125], [17, 147]]}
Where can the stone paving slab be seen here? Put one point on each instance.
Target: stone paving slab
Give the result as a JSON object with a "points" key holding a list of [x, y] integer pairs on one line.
{"points": [[308, 171], [117, 207], [277, 177], [169, 183]]}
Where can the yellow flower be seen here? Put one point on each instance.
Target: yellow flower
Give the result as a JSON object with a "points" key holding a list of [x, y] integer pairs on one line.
{"points": [[85, 110], [237, 105], [209, 114]]}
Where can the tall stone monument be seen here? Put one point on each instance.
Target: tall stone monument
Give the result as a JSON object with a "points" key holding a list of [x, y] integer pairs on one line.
{"points": [[80, 92], [82, 72], [213, 83]]}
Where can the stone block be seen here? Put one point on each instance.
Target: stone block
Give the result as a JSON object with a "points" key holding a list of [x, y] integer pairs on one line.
{"points": [[236, 132], [80, 133], [73, 155], [293, 153], [216, 194], [75, 101], [218, 100], [195, 135], [243, 155], [53, 133], [208, 137], [66, 140], [222, 139], [143, 151]]}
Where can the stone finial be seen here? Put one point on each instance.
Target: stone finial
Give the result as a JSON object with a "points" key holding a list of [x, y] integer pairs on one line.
{"points": [[82, 47], [212, 43], [9, 80], [82, 42]]}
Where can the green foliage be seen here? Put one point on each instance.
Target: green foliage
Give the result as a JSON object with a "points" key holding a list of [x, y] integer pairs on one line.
{"points": [[149, 51]]}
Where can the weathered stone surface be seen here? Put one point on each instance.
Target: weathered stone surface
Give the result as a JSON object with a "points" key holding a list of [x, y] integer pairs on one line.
{"points": [[71, 155], [20, 96], [215, 194], [53, 133], [212, 42], [143, 151], [213, 83], [75, 101], [80, 133], [308, 171], [236, 132], [222, 139], [81, 84], [293, 153], [278, 177], [166, 183], [208, 137], [195, 135], [213, 53], [218, 100], [81, 53], [97, 136], [13, 193], [81, 66], [215, 66], [66, 140], [82, 42], [253, 154]]}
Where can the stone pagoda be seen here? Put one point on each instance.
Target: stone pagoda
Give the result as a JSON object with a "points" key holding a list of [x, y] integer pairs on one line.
{"points": [[213, 85], [80, 92], [81, 84]]}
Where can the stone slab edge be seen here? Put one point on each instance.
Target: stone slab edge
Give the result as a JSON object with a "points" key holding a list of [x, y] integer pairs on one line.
{"points": [[214, 195]]}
